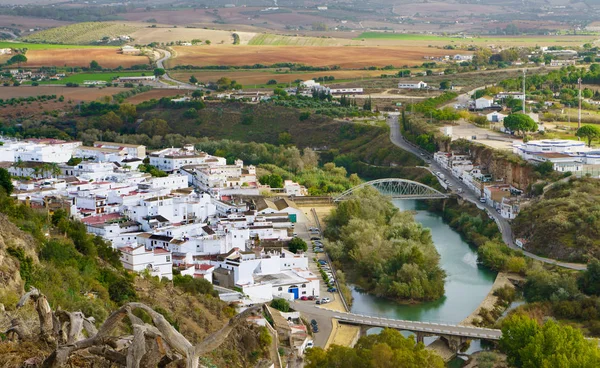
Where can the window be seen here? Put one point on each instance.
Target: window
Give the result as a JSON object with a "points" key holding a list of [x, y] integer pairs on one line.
{"points": [[280, 288], [168, 258], [304, 293], [303, 285]]}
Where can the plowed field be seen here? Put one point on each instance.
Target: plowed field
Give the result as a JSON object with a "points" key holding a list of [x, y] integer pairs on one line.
{"points": [[106, 57]]}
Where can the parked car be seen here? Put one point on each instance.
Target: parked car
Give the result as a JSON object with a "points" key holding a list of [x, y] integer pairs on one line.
{"points": [[332, 290], [322, 261], [313, 322], [318, 301], [312, 297], [482, 199], [319, 250], [310, 344], [325, 300], [315, 329], [315, 238], [303, 298]]}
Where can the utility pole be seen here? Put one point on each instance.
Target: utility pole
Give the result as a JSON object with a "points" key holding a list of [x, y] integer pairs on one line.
{"points": [[524, 98], [579, 111]]}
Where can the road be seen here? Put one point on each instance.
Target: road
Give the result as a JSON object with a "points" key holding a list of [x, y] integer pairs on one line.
{"points": [[178, 84], [503, 224], [414, 326]]}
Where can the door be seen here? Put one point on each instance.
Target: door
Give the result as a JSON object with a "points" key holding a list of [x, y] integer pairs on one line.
{"points": [[294, 290]]}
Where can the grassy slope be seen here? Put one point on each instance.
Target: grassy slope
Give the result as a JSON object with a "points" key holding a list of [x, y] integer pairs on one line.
{"points": [[82, 33]]}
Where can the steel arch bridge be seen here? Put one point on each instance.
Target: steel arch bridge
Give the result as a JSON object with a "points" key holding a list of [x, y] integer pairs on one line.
{"points": [[397, 189]]}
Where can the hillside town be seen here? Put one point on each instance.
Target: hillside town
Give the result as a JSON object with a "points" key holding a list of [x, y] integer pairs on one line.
{"points": [[204, 218]]}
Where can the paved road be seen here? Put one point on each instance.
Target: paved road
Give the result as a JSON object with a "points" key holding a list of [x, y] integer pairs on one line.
{"points": [[178, 84], [414, 326], [503, 224]]}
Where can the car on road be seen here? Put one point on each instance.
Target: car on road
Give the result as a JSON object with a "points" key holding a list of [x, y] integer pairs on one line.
{"points": [[332, 290], [310, 344], [482, 200]]}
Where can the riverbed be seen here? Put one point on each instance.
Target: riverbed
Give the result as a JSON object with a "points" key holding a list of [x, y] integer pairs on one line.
{"points": [[467, 283]]}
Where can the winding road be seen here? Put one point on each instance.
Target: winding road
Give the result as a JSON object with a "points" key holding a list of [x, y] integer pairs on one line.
{"points": [[177, 84], [503, 224]]}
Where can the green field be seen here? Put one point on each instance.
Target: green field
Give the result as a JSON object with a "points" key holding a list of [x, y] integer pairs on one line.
{"points": [[532, 40], [44, 46], [107, 77]]}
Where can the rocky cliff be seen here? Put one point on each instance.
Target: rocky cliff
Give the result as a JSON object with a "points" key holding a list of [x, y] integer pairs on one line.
{"points": [[14, 238]]}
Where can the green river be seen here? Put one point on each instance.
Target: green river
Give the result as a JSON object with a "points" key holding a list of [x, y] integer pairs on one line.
{"points": [[467, 283]]}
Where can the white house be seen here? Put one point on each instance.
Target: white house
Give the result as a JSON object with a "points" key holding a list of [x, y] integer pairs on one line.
{"points": [[515, 95], [131, 150], [345, 90], [139, 259], [171, 159], [529, 149], [459, 57], [495, 117], [483, 102], [412, 85]]}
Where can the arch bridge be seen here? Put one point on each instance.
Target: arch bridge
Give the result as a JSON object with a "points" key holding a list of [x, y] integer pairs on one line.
{"points": [[397, 189]]}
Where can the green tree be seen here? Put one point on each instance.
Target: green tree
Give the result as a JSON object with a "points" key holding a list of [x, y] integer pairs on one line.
{"points": [[280, 304], [271, 82], [207, 42], [520, 123], [5, 181], [128, 111], [159, 72], [552, 345], [236, 39], [589, 132], [94, 65], [589, 280], [197, 93], [297, 244], [284, 138], [153, 127], [368, 105], [193, 80], [445, 84], [19, 58]]}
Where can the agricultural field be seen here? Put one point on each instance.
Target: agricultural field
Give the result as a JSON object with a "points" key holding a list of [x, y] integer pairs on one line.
{"points": [[82, 33], [345, 57], [156, 94], [75, 94], [385, 39], [280, 40], [259, 77], [107, 77], [106, 57], [44, 46], [170, 34]]}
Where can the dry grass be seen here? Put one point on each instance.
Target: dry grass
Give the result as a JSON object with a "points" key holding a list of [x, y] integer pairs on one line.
{"points": [[75, 94], [250, 77], [156, 94], [346, 57], [106, 57]]}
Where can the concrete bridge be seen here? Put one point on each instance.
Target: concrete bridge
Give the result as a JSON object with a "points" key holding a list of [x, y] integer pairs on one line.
{"points": [[455, 336]]}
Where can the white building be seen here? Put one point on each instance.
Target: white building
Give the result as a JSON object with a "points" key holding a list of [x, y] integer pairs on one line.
{"points": [[412, 85], [345, 90], [131, 150], [38, 150], [529, 150], [172, 159], [157, 261], [483, 102], [495, 117], [459, 57], [515, 95]]}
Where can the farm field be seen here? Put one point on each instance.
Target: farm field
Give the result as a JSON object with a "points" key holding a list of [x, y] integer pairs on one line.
{"points": [[164, 34], [47, 46], [106, 57], [280, 40], [262, 76], [107, 77], [83, 33], [75, 94], [154, 94], [383, 38], [345, 57]]}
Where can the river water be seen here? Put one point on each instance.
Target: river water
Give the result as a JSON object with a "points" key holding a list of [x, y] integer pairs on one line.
{"points": [[467, 283]]}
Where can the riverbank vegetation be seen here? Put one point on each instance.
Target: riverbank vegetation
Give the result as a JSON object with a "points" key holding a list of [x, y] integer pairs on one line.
{"points": [[386, 349], [383, 250], [565, 223], [529, 344]]}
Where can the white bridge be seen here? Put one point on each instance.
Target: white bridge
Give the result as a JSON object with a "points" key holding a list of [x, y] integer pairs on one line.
{"points": [[397, 189]]}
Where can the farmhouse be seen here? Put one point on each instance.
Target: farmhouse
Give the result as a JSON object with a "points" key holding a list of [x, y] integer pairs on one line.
{"points": [[141, 78], [459, 57], [515, 95], [5, 51], [412, 85], [562, 62], [129, 50], [495, 117]]}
